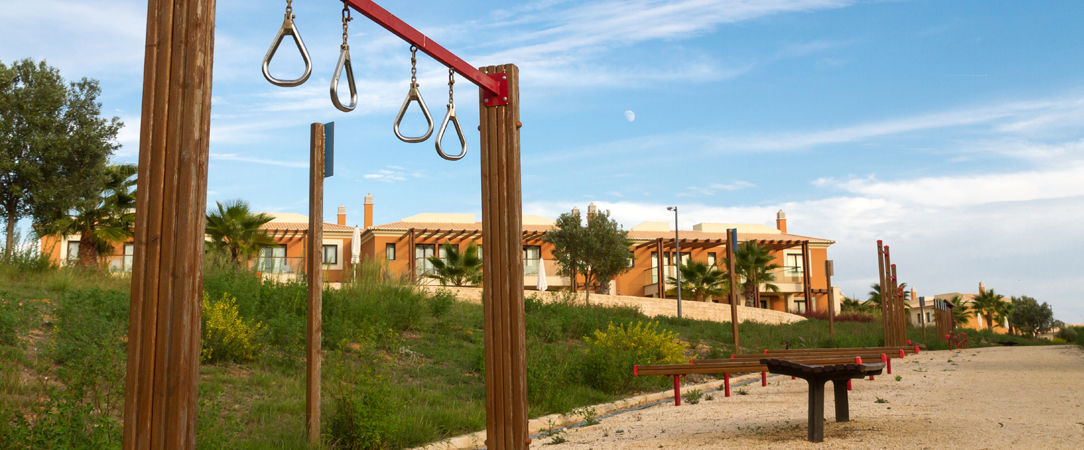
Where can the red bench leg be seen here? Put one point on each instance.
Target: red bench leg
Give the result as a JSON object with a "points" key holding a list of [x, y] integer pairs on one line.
{"points": [[726, 384], [677, 390], [888, 362], [764, 378]]}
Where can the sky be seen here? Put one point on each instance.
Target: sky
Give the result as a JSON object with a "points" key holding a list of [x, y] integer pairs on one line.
{"points": [[954, 131]]}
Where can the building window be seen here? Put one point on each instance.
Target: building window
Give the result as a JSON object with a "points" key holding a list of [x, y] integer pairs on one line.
{"points": [[442, 252], [654, 267], [632, 261], [531, 255], [792, 265], [480, 252], [422, 253], [711, 259], [389, 252], [272, 260], [927, 317], [128, 259], [73, 250], [331, 254], [799, 306]]}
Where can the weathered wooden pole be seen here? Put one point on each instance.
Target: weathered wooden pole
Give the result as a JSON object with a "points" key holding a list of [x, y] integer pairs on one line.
{"points": [[881, 283], [731, 241], [829, 270], [314, 256], [659, 268], [807, 290], [502, 287], [160, 404]]}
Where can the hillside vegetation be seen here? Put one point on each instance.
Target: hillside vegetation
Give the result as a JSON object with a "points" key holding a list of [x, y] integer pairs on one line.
{"points": [[400, 368]]}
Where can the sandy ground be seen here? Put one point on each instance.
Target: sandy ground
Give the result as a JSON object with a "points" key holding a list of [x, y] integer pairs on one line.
{"points": [[1001, 397]]}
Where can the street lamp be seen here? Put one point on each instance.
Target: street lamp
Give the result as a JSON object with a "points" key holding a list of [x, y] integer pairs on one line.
{"points": [[677, 262]]}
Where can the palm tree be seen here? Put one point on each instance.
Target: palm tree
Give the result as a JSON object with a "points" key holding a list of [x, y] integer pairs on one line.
{"points": [[701, 280], [987, 304], [875, 295], [457, 268], [754, 264], [234, 229], [102, 218], [961, 312], [1003, 311]]}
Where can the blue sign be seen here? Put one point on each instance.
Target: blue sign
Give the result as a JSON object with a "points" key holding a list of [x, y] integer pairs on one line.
{"points": [[922, 302], [329, 149]]}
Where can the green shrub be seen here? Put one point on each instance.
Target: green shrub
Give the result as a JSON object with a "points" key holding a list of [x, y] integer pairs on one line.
{"points": [[364, 410], [9, 321], [226, 336], [440, 302], [609, 355]]}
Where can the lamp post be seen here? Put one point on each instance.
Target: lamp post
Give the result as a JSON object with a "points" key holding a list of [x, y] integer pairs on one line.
{"points": [[677, 262]]}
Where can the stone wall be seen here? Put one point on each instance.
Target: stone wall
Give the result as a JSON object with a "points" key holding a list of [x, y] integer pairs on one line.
{"points": [[652, 307]]}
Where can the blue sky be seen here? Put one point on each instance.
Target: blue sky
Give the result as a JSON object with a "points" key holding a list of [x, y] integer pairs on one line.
{"points": [[952, 130]]}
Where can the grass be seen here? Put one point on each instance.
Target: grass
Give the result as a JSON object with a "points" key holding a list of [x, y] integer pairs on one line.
{"points": [[400, 368]]}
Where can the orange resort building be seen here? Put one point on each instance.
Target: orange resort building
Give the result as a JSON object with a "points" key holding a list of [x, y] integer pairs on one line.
{"points": [[403, 248], [922, 314]]}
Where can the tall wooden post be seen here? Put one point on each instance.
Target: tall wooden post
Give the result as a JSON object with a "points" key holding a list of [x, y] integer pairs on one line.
{"points": [[412, 264], [897, 306], [829, 270], [731, 241], [661, 285], [502, 287], [807, 290], [314, 255], [882, 283], [160, 404]]}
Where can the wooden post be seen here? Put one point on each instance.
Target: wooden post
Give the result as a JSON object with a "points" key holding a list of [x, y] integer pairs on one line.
{"points": [[731, 241], [881, 283], [807, 290], [315, 256], [829, 270], [897, 312], [160, 405], [412, 263], [661, 284], [922, 317], [502, 287], [888, 292]]}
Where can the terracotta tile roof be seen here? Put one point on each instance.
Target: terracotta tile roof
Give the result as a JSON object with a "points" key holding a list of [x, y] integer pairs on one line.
{"points": [[302, 226], [476, 226], [634, 235]]}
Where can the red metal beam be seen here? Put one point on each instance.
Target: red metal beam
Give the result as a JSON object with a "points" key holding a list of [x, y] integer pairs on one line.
{"points": [[494, 85]]}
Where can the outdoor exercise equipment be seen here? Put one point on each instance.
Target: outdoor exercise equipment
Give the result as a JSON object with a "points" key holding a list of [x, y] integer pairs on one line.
{"points": [[288, 28], [413, 95], [160, 404], [344, 62]]}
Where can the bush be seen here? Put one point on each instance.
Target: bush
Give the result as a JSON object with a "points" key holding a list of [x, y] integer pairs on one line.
{"points": [[440, 302], [9, 320], [364, 411], [609, 355], [842, 317], [226, 336]]}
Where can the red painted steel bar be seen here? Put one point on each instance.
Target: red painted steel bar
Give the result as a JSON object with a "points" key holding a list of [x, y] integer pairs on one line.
{"points": [[677, 390], [726, 383], [408, 33]]}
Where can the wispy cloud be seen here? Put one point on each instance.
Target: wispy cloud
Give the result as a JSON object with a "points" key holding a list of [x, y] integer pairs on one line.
{"points": [[392, 174], [713, 188], [249, 159]]}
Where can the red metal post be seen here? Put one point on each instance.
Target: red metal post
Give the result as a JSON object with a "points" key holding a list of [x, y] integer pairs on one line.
{"points": [[726, 384], [677, 390], [491, 83]]}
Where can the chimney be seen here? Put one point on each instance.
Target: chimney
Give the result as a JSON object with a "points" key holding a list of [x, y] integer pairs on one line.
{"points": [[575, 211], [368, 211], [982, 287], [591, 210], [781, 221], [342, 215]]}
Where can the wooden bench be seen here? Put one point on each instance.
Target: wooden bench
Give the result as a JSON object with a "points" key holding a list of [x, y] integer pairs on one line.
{"points": [[750, 363], [817, 376]]}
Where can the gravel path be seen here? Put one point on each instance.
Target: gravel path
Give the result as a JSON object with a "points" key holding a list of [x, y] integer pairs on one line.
{"points": [[1001, 397]]}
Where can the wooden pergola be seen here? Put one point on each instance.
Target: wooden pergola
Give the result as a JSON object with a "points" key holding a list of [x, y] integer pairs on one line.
{"points": [[452, 236]]}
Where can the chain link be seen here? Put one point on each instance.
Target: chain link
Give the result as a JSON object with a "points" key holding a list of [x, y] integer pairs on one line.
{"points": [[451, 82], [289, 7], [346, 19], [413, 65]]}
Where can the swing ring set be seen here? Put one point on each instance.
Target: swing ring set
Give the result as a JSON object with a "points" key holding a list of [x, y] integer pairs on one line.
{"points": [[287, 27], [344, 61], [413, 95]]}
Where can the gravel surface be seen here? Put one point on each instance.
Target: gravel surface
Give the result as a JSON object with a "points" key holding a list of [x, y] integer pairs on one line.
{"points": [[1000, 397]]}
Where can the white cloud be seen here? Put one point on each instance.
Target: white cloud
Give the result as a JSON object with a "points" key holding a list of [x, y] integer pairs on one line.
{"points": [[392, 174], [630, 116], [248, 159]]}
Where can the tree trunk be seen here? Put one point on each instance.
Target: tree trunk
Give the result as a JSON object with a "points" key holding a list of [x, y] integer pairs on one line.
{"points": [[88, 252], [586, 288], [10, 238]]}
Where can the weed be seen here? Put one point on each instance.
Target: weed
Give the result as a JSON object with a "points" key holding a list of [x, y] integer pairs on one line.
{"points": [[589, 415], [693, 396], [898, 378], [709, 397], [226, 336], [880, 400], [743, 392], [558, 439]]}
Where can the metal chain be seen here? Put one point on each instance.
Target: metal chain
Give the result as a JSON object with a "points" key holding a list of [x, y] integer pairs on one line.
{"points": [[346, 19], [289, 8], [451, 81], [413, 65]]}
